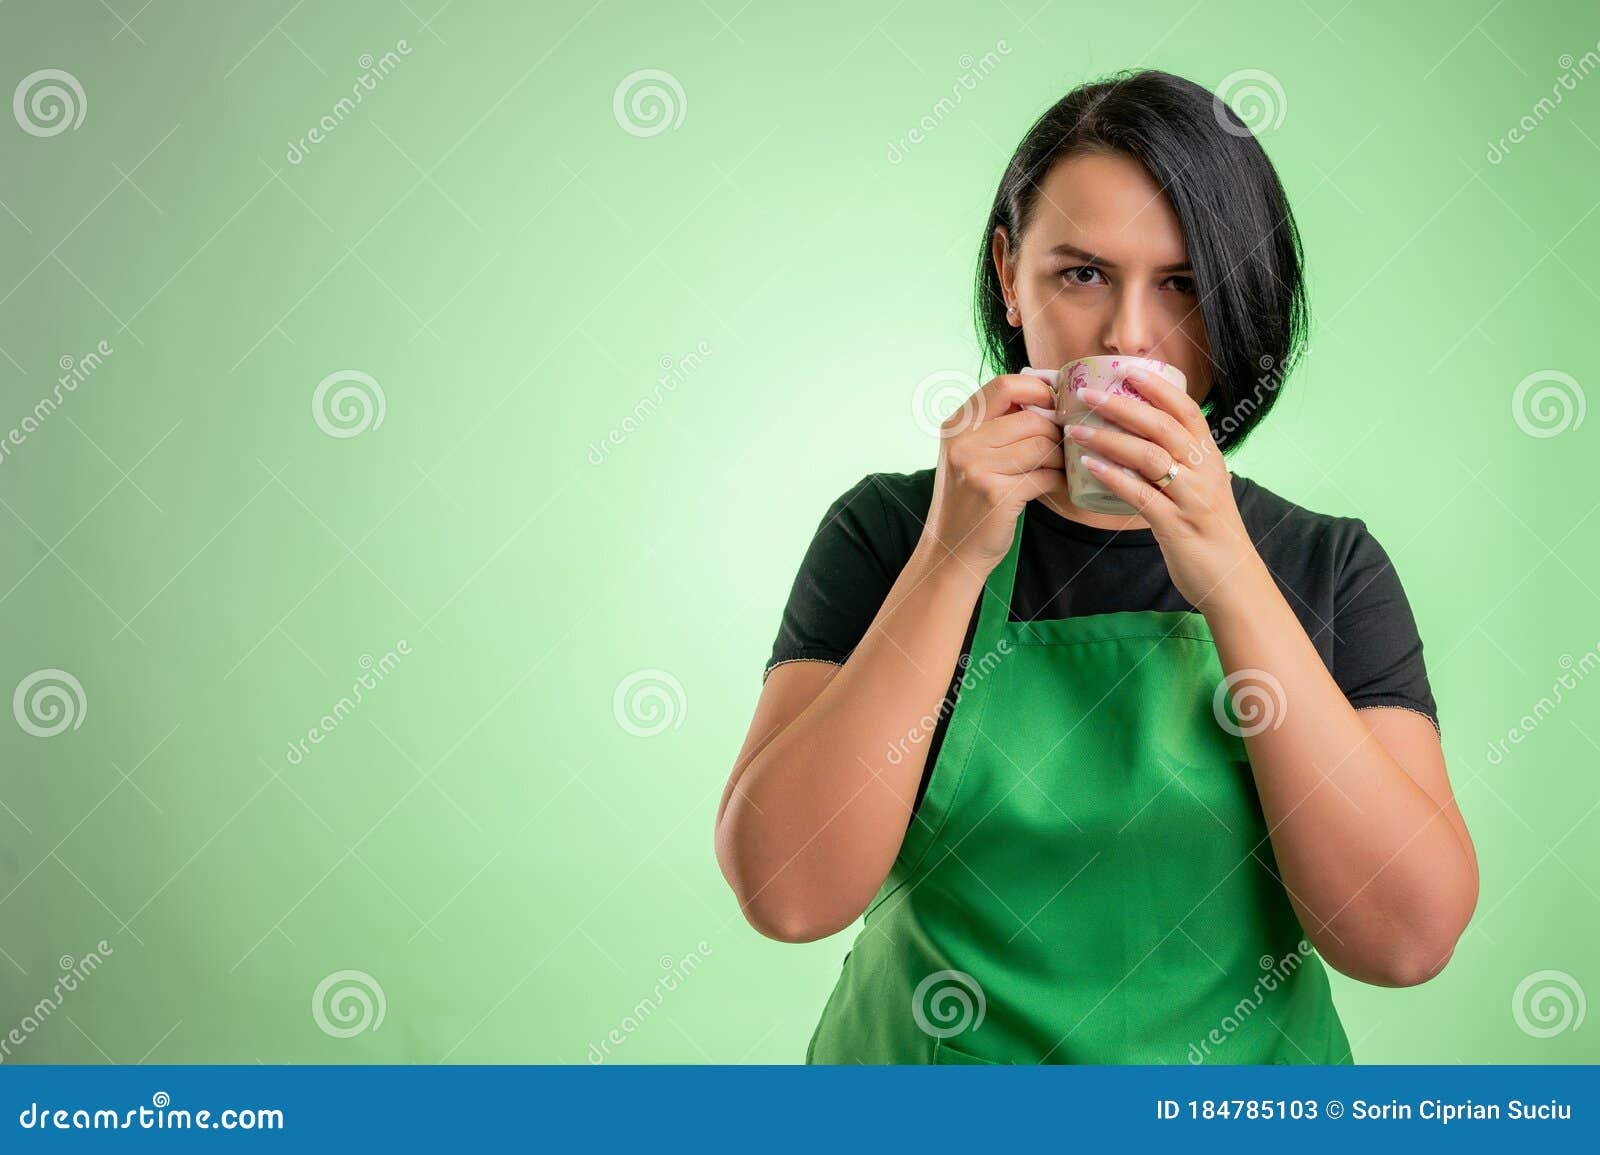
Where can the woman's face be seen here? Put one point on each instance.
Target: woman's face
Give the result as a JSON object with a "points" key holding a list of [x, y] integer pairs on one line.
{"points": [[1103, 269]]}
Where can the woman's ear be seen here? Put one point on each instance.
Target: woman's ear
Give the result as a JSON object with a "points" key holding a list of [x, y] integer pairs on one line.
{"points": [[1000, 253]]}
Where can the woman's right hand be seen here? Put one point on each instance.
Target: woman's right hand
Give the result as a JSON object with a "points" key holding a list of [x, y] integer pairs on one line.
{"points": [[994, 457]]}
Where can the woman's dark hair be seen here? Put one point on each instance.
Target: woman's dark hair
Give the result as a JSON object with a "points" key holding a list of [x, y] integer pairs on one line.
{"points": [[1242, 240]]}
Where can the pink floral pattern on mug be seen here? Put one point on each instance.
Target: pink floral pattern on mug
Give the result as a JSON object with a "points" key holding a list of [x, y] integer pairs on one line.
{"points": [[1080, 375]]}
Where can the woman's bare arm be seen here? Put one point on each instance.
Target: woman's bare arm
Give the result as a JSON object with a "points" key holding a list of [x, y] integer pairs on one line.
{"points": [[816, 807], [1373, 851], [821, 794], [1370, 845]]}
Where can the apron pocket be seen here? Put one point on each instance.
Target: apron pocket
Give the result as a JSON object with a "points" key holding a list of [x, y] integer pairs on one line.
{"points": [[944, 1053]]}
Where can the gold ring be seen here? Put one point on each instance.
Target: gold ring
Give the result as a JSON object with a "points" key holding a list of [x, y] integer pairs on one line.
{"points": [[1164, 481]]}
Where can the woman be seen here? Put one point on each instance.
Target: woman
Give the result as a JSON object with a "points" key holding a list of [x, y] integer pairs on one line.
{"points": [[1187, 756]]}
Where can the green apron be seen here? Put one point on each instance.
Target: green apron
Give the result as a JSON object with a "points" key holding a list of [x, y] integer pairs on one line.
{"points": [[1088, 878]]}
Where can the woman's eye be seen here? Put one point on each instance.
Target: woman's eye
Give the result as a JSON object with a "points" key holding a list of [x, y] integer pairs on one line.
{"points": [[1073, 274], [1087, 275]]}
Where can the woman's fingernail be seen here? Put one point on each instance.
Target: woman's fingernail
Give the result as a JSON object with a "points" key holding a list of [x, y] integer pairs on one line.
{"points": [[1092, 395], [1094, 463], [1081, 432]]}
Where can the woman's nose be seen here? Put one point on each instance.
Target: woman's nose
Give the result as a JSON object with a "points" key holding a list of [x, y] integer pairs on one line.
{"points": [[1129, 328]]}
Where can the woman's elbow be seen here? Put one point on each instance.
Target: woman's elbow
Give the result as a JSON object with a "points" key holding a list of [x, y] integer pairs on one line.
{"points": [[783, 918], [769, 910], [1416, 968], [778, 912], [1429, 955], [788, 924], [1406, 959], [1416, 961], [1408, 966], [1428, 951]]}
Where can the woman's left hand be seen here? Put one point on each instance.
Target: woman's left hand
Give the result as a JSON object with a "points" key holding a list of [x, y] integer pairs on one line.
{"points": [[1195, 518]]}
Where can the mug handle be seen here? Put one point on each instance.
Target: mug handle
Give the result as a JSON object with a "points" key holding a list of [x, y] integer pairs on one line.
{"points": [[1050, 377]]}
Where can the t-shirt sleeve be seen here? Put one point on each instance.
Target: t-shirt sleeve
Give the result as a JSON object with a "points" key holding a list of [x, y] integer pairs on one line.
{"points": [[842, 582], [1377, 651]]}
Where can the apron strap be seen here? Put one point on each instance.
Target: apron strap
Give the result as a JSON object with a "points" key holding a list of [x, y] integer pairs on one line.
{"points": [[999, 587]]}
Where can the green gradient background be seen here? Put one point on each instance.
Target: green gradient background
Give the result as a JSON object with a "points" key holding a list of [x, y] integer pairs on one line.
{"points": [[484, 239]]}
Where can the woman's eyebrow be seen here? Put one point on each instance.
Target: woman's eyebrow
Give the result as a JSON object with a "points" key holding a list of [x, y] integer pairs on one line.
{"points": [[1070, 250]]}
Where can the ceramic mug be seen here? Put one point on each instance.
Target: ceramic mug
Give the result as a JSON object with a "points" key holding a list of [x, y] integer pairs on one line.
{"points": [[1084, 489]]}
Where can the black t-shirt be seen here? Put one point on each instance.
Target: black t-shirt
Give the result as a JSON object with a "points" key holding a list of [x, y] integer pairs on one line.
{"points": [[1331, 570]]}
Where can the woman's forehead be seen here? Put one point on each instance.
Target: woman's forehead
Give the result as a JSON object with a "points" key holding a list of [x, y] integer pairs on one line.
{"points": [[1108, 205]]}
